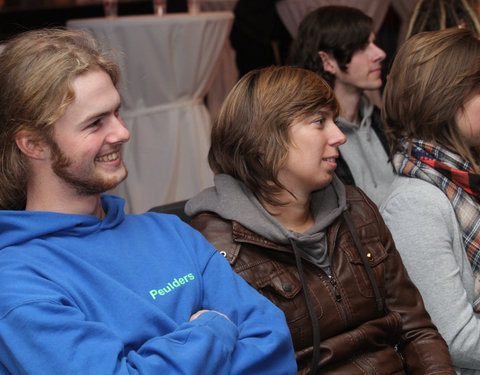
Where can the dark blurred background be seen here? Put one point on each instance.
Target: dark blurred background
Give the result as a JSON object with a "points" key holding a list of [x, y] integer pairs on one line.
{"points": [[22, 15]]}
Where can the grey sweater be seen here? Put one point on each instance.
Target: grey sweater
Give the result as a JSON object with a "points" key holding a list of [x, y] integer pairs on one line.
{"points": [[428, 237], [365, 155]]}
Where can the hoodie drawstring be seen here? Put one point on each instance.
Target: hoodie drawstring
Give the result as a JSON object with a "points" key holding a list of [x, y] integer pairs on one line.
{"points": [[311, 312]]}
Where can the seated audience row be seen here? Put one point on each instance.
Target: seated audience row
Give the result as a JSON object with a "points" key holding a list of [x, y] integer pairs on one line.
{"points": [[341, 297], [431, 109]]}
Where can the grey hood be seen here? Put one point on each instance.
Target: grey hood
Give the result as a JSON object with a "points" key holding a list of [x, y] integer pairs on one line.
{"points": [[232, 200]]}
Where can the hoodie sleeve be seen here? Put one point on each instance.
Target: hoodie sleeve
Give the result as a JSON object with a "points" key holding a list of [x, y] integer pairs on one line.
{"points": [[48, 338]]}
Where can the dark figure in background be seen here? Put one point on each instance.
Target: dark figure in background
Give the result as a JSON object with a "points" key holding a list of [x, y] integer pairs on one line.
{"points": [[258, 35], [338, 43]]}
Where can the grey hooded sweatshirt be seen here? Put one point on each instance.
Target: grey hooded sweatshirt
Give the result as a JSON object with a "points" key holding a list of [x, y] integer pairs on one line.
{"points": [[232, 200]]}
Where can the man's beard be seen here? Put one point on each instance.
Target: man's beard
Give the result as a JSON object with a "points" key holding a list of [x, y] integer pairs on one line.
{"points": [[83, 185]]}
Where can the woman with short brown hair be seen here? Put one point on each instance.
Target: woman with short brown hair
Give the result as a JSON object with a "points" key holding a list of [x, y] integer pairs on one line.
{"points": [[317, 249]]}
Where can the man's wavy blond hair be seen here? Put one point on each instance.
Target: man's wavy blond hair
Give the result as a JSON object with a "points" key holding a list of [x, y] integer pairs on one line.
{"points": [[37, 70]]}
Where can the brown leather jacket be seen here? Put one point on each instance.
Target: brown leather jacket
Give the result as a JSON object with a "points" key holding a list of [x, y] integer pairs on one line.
{"points": [[355, 337]]}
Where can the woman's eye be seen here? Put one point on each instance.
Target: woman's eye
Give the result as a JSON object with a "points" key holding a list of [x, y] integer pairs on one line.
{"points": [[320, 121]]}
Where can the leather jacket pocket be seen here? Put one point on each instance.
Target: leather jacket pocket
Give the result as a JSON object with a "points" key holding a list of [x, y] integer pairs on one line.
{"points": [[283, 287], [286, 285], [376, 255]]}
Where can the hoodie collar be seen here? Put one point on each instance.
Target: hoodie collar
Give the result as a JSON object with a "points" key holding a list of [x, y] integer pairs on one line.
{"points": [[22, 226]]}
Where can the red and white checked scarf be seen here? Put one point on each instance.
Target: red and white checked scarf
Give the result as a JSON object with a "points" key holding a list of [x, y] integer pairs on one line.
{"points": [[454, 176]]}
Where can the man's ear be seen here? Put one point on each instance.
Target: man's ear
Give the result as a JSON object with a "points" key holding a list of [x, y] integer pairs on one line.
{"points": [[31, 144], [329, 63]]}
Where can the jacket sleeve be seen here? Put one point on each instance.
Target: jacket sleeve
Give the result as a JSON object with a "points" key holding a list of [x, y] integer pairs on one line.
{"points": [[431, 248], [422, 347]]}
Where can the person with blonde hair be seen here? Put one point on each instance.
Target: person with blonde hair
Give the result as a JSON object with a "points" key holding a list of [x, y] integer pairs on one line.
{"points": [[87, 289], [432, 116], [316, 248]]}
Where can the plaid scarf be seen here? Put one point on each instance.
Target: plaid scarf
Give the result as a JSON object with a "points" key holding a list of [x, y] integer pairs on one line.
{"points": [[454, 176]]}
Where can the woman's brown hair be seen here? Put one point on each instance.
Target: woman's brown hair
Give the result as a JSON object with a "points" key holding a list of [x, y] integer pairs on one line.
{"points": [[250, 136], [433, 75]]}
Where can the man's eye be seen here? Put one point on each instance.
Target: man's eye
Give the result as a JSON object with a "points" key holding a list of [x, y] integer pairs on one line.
{"points": [[95, 123]]}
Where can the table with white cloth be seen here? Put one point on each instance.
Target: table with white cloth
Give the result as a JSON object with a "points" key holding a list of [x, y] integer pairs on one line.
{"points": [[227, 74], [167, 64]]}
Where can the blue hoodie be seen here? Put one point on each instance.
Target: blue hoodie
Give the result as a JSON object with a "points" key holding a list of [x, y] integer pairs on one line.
{"points": [[80, 295]]}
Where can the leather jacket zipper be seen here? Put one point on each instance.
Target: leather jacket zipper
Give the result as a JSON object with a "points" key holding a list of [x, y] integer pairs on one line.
{"points": [[338, 296], [331, 278]]}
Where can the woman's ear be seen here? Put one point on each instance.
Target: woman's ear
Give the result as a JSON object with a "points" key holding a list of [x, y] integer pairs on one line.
{"points": [[31, 144], [329, 63]]}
